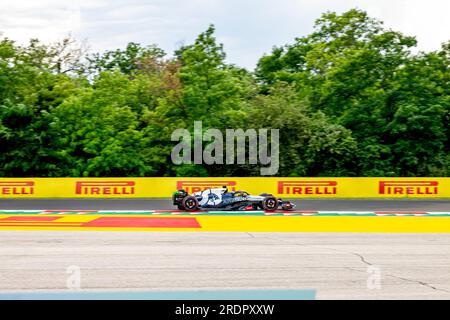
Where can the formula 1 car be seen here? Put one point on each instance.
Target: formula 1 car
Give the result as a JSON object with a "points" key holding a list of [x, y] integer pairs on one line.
{"points": [[222, 199]]}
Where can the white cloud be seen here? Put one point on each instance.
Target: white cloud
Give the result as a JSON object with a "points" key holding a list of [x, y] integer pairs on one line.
{"points": [[427, 20], [47, 20], [248, 28]]}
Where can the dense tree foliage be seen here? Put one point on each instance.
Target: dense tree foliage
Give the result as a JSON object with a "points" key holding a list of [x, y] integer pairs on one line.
{"points": [[350, 99]]}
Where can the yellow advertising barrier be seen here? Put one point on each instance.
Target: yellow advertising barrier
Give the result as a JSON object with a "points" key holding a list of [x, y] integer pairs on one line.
{"points": [[284, 187]]}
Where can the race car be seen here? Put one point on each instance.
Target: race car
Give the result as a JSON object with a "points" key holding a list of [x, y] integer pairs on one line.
{"points": [[222, 199]]}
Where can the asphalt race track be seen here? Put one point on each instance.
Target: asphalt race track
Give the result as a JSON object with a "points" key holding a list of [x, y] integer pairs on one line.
{"points": [[348, 265], [162, 204], [338, 266]]}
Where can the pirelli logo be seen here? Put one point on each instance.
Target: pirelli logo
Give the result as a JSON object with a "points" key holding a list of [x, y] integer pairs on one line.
{"points": [[195, 186], [307, 187], [104, 187], [16, 188], [408, 187]]}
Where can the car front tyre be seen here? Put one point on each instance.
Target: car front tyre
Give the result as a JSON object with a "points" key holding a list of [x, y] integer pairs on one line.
{"points": [[270, 204]]}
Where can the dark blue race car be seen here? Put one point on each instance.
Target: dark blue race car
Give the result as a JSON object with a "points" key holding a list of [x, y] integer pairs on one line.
{"points": [[222, 199]]}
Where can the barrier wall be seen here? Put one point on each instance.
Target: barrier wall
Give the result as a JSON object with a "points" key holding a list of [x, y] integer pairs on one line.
{"points": [[283, 187]]}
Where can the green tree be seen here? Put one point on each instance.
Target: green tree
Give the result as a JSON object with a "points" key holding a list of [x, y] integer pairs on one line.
{"points": [[310, 144], [127, 61], [95, 132], [360, 75], [349, 99], [209, 91], [211, 88], [29, 90]]}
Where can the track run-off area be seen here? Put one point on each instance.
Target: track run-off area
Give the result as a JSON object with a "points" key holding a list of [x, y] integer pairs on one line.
{"points": [[219, 221], [342, 249], [125, 214]]}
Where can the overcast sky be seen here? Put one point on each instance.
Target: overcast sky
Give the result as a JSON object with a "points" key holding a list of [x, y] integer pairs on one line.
{"points": [[247, 28]]}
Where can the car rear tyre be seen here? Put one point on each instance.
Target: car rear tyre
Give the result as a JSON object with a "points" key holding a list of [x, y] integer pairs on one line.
{"points": [[190, 203], [270, 204]]}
